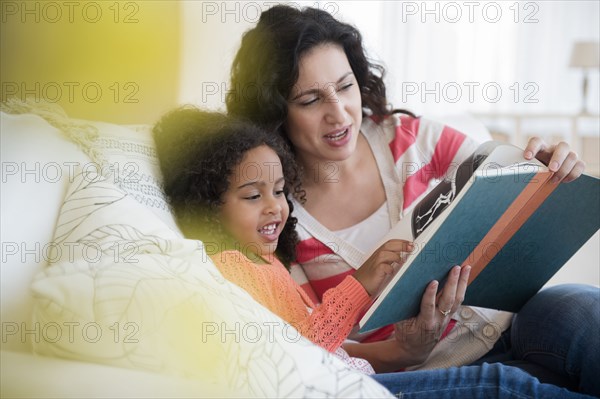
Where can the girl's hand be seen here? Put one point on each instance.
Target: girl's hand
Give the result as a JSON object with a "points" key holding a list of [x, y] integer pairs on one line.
{"points": [[418, 336], [559, 158], [384, 261]]}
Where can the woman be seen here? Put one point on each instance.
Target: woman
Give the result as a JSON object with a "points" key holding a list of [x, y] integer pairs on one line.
{"points": [[305, 74]]}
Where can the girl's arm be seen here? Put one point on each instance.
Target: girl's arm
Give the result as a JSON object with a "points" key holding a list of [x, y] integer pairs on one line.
{"points": [[329, 324]]}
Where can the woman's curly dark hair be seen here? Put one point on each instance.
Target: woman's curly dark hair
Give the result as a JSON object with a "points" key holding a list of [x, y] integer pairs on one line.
{"points": [[198, 152], [266, 66]]}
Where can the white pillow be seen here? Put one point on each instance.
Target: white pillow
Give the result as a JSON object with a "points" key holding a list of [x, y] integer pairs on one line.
{"points": [[41, 146], [36, 163], [127, 291], [125, 154], [132, 164]]}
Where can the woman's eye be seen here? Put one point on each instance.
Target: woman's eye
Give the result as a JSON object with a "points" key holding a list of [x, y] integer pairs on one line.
{"points": [[346, 86]]}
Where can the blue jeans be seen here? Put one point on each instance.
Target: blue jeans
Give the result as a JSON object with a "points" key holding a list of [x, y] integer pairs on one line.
{"points": [[555, 338], [484, 381]]}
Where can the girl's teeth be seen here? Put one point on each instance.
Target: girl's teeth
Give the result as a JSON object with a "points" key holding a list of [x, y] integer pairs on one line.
{"points": [[270, 229]]}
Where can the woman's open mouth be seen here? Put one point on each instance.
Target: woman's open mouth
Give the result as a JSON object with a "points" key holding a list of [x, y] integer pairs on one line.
{"points": [[338, 137]]}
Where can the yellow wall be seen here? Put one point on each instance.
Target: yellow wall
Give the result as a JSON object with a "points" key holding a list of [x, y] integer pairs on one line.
{"points": [[116, 61]]}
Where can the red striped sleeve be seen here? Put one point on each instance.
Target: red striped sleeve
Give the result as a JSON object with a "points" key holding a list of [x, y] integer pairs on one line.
{"points": [[298, 275], [445, 151], [322, 285], [385, 332], [309, 249], [416, 185], [310, 292], [379, 335], [405, 138], [449, 328]]}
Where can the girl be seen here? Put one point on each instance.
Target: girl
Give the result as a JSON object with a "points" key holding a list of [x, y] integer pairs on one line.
{"points": [[228, 182]]}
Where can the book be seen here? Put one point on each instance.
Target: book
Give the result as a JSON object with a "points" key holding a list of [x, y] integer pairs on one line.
{"points": [[500, 214]]}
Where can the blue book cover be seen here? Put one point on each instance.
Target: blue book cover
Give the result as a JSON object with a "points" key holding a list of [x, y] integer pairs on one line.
{"points": [[516, 262]]}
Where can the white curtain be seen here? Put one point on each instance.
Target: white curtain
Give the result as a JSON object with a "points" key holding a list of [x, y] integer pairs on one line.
{"points": [[445, 57], [442, 57]]}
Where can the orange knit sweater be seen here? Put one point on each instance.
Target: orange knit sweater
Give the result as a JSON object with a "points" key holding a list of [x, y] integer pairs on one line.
{"points": [[327, 325]]}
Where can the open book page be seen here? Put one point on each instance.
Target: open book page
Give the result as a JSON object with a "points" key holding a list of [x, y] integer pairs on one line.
{"points": [[512, 225], [491, 161], [488, 157]]}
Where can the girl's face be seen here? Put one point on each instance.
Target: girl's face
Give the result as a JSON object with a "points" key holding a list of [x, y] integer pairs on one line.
{"points": [[324, 108], [255, 208]]}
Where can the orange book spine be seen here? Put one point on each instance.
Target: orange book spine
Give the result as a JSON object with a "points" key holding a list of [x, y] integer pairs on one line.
{"points": [[537, 190]]}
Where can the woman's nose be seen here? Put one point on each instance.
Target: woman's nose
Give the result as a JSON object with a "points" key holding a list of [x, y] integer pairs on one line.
{"points": [[335, 113]]}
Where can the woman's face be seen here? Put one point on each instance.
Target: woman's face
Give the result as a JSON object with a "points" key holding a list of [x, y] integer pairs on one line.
{"points": [[324, 107]]}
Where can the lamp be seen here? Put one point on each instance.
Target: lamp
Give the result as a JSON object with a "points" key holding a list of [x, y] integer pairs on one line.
{"points": [[585, 55]]}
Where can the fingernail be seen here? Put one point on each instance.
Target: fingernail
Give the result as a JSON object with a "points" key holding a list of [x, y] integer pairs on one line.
{"points": [[554, 179], [553, 166], [529, 155]]}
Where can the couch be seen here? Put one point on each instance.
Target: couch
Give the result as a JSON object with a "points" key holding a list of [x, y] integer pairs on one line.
{"points": [[101, 296]]}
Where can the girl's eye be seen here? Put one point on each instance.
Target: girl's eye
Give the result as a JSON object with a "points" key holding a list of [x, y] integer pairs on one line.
{"points": [[309, 102], [252, 197], [279, 193]]}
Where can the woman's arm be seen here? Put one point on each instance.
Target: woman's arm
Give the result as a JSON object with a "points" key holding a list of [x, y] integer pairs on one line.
{"points": [[384, 356], [415, 338]]}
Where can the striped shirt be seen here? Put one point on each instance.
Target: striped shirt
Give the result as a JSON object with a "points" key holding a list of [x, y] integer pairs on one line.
{"points": [[411, 155]]}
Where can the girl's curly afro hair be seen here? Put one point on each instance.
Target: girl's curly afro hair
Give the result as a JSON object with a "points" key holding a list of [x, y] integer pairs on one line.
{"points": [[198, 151]]}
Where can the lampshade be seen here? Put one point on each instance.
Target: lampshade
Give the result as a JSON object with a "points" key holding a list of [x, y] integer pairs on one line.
{"points": [[585, 55]]}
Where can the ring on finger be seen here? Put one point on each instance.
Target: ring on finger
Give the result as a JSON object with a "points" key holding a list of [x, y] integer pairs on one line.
{"points": [[445, 312]]}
